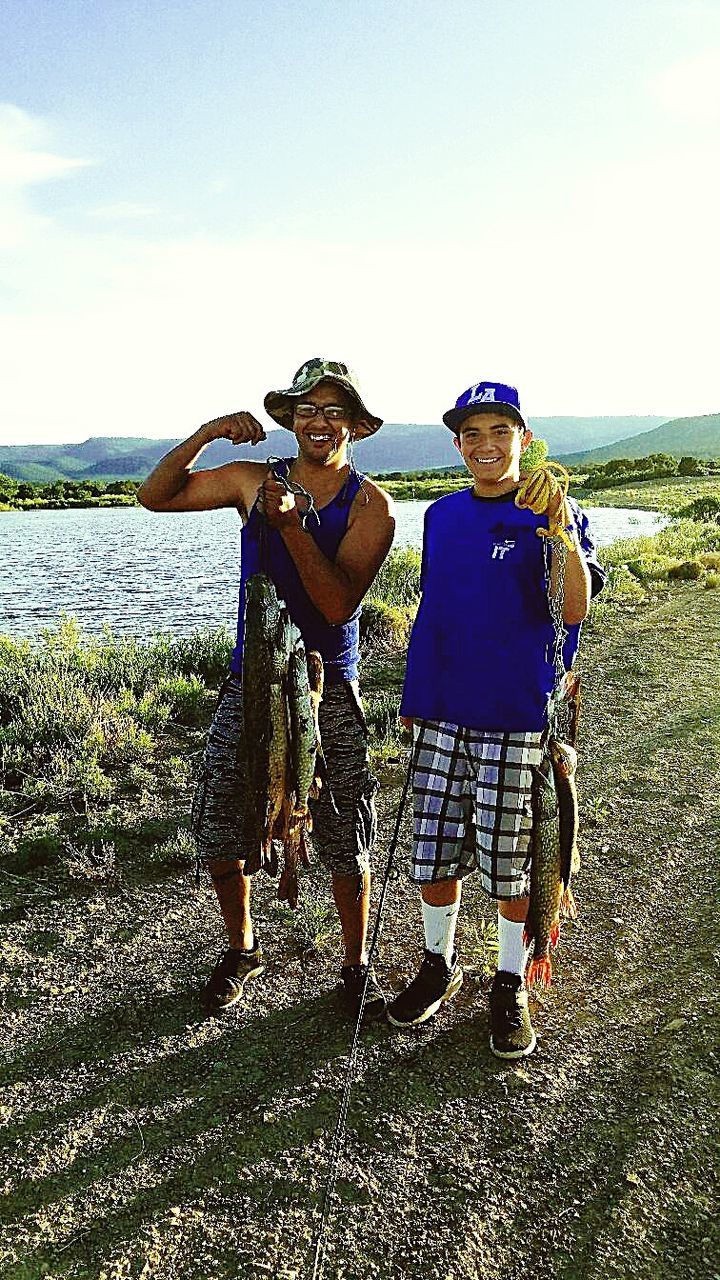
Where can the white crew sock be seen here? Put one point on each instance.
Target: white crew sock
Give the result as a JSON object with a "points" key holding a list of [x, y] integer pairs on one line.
{"points": [[513, 953], [440, 925]]}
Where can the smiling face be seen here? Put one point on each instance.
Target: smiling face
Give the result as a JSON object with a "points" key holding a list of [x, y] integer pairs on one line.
{"points": [[491, 446], [322, 442]]}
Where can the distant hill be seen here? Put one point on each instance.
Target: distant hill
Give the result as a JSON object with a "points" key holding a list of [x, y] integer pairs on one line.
{"points": [[682, 437], [398, 447]]}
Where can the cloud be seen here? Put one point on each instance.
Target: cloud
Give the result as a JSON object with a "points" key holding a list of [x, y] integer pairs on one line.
{"points": [[22, 162], [25, 162], [604, 305], [691, 88]]}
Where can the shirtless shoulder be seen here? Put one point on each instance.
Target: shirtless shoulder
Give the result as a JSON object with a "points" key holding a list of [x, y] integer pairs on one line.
{"points": [[248, 478], [372, 504]]}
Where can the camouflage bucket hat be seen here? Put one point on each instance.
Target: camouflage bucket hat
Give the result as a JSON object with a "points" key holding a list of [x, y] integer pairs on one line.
{"points": [[279, 404]]}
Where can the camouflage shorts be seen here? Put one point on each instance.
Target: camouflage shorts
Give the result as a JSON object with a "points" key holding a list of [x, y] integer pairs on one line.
{"points": [[343, 839]]}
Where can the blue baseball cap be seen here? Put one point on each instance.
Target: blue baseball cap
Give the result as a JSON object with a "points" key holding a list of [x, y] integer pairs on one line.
{"points": [[485, 397]]}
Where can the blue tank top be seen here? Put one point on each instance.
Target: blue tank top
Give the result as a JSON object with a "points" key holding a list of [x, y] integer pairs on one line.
{"points": [[338, 645], [481, 648]]}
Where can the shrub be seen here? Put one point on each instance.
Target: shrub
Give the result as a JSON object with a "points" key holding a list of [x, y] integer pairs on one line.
{"points": [[622, 586], [535, 454], [186, 698], [707, 508], [686, 571], [712, 580], [398, 582], [384, 626], [651, 568], [689, 467]]}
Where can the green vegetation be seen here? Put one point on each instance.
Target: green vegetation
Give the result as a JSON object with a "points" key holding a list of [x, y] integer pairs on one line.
{"points": [[670, 495], [658, 466], [21, 495], [641, 568], [423, 486], [100, 739], [426, 486], [658, 482]]}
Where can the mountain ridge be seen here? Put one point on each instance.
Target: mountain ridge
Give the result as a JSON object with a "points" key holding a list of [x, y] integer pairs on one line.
{"points": [[697, 437], [398, 447]]}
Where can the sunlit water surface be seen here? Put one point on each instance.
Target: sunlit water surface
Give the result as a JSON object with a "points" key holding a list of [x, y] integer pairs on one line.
{"points": [[138, 572]]}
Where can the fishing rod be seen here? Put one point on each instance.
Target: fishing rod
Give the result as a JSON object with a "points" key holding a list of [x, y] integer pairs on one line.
{"points": [[338, 1141]]}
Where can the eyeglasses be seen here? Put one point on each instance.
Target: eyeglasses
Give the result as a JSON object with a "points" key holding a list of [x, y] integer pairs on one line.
{"points": [[330, 412]]}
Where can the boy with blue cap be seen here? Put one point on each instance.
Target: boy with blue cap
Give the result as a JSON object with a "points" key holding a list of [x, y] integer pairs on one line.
{"points": [[479, 674]]}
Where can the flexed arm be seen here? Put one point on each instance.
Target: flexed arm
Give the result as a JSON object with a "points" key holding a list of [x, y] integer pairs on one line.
{"points": [[174, 486]]}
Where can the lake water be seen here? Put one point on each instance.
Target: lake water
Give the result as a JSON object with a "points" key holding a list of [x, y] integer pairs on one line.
{"points": [[137, 571]]}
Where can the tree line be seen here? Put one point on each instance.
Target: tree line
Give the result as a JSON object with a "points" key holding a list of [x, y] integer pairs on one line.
{"points": [[24, 494], [656, 466]]}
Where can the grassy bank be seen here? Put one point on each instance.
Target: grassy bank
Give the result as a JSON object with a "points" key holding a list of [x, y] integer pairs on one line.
{"points": [[669, 495]]}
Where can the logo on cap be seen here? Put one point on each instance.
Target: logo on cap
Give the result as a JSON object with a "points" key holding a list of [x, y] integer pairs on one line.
{"points": [[481, 394]]}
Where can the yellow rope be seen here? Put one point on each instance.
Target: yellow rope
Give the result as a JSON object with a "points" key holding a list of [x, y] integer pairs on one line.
{"points": [[538, 490]]}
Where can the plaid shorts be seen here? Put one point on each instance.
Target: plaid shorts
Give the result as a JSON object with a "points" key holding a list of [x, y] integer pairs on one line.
{"points": [[472, 806], [343, 839]]}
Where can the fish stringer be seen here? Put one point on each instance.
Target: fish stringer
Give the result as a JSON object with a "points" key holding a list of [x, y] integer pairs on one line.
{"points": [[558, 707], [562, 704]]}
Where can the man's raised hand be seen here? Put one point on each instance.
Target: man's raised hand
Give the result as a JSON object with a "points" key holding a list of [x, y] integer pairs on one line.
{"points": [[277, 503], [239, 428]]}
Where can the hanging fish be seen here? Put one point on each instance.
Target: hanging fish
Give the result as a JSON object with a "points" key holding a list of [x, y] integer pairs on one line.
{"points": [[542, 926], [554, 856], [564, 763], [304, 689], [282, 688]]}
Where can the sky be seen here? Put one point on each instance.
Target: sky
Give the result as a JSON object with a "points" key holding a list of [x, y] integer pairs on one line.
{"points": [[198, 196]]}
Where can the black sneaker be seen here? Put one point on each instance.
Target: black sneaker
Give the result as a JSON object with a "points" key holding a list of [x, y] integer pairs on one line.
{"points": [[511, 1032], [228, 978], [436, 982], [353, 980]]}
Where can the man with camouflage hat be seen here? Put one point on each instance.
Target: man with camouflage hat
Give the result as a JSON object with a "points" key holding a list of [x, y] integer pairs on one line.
{"points": [[322, 569]]}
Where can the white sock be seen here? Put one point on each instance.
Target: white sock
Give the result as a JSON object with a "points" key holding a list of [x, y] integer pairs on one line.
{"points": [[513, 953], [440, 925]]}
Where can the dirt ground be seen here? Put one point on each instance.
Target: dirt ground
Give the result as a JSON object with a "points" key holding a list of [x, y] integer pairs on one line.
{"points": [[141, 1138]]}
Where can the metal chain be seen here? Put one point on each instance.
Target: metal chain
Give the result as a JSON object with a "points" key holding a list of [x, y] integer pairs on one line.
{"points": [[558, 707], [293, 487]]}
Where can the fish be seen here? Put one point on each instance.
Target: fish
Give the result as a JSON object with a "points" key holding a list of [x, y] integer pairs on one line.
{"points": [[282, 689], [554, 856], [305, 682], [542, 926], [564, 763], [262, 624]]}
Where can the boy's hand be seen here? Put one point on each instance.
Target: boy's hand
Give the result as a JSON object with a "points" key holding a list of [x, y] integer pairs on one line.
{"points": [[544, 493], [557, 509]]}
